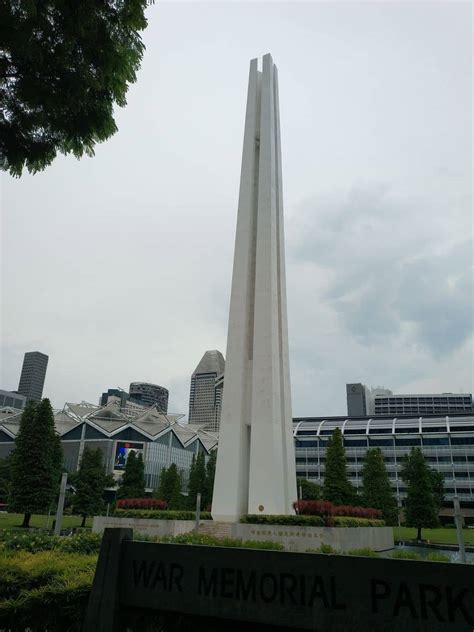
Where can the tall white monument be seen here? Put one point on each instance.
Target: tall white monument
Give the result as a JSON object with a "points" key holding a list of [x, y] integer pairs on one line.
{"points": [[255, 470]]}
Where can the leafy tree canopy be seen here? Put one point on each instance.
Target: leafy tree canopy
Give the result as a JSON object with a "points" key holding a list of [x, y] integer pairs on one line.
{"points": [[36, 461], [197, 481], [377, 491], [421, 509], [5, 478], [169, 488], [210, 476], [63, 67], [337, 487], [309, 490], [132, 483], [90, 482]]}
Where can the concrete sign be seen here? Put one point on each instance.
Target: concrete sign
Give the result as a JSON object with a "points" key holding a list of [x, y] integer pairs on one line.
{"points": [[299, 590]]}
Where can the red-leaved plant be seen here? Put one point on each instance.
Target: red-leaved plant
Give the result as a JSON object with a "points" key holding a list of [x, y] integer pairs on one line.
{"points": [[326, 509], [141, 503]]}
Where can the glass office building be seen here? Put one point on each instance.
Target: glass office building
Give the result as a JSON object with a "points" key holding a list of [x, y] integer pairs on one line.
{"points": [[446, 441]]}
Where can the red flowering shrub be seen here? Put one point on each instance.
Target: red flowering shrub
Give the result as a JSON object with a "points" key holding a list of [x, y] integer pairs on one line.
{"points": [[327, 509], [141, 503], [313, 507], [357, 512]]}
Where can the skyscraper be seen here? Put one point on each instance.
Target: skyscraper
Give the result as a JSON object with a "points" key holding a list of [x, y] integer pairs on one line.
{"points": [[148, 394], [255, 470], [33, 374], [205, 395]]}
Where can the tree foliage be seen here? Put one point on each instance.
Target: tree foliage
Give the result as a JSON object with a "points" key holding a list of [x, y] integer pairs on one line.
{"points": [[197, 481], [421, 508], [337, 487], [169, 488], [132, 483], [437, 485], [36, 461], [90, 482], [376, 489], [5, 478], [209, 484], [309, 490], [63, 67]]}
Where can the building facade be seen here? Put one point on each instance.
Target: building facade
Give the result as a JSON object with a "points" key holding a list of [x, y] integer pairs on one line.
{"points": [[148, 394], [13, 400], [161, 439], [33, 374], [447, 443], [205, 397], [362, 400]]}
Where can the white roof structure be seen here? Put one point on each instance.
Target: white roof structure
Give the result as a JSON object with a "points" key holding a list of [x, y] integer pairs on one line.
{"points": [[109, 421]]}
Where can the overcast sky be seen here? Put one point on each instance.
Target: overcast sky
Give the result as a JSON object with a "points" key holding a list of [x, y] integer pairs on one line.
{"points": [[119, 267]]}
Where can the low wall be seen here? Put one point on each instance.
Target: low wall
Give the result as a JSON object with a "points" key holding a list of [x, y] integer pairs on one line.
{"points": [[145, 525], [293, 538], [303, 538]]}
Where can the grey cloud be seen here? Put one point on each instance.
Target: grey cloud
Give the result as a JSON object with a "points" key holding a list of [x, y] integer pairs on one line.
{"points": [[379, 255]]}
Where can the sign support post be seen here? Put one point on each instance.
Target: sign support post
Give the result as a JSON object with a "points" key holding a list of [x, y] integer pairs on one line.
{"points": [[62, 497], [458, 521]]}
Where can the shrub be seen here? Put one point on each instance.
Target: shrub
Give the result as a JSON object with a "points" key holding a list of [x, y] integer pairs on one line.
{"points": [[437, 557], [343, 521], [326, 549], [44, 591], [302, 521], [160, 515], [85, 543], [142, 503], [210, 540], [365, 552], [326, 509], [313, 507], [401, 554]]}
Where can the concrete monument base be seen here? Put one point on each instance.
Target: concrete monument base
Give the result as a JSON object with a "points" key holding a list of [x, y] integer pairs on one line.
{"points": [[293, 538]]}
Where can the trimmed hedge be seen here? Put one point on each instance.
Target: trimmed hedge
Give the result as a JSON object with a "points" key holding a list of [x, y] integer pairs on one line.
{"points": [[326, 508], [44, 591], [301, 521], [346, 521], [142, 503], [160, 515], [85, 543], [312, 521], [210, 540]]}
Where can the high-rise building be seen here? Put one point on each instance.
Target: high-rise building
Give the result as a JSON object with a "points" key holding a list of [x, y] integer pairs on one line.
{"points": [[148, 394], [362, 401], [33, 374], [205, 397], [12, 400]]}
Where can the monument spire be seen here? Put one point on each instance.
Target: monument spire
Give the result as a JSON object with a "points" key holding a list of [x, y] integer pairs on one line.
{"points": [[255, 470]]}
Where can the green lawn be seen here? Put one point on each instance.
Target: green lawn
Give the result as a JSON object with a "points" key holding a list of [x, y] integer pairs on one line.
{"points": [[436, 536], [13, 521]]}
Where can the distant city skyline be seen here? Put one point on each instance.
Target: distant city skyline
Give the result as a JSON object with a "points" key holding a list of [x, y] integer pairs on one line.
{"points": [[119, 266]]}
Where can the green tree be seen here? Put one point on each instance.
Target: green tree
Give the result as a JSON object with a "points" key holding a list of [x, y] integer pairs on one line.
{"points": [[309, 490], [376, 489], [169, 488], [132, 483], [197, 481], [90, 482], [5, 478], [63, 67], [337, 487], [36, 462], [420, 505], [210, 476], [437, 485]]}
